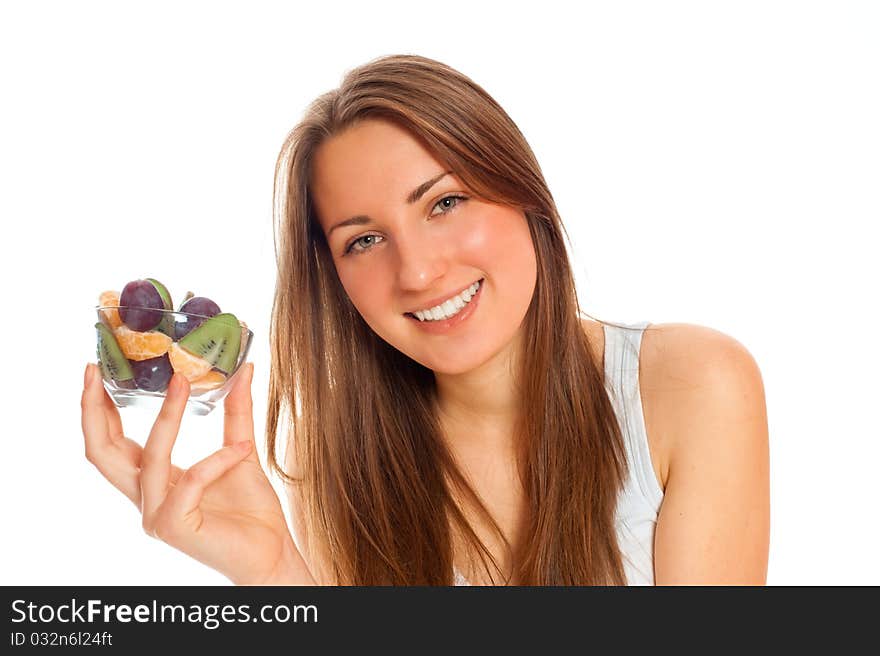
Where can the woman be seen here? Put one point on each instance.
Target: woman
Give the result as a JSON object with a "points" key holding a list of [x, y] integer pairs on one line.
{"points": [[453, 417]]}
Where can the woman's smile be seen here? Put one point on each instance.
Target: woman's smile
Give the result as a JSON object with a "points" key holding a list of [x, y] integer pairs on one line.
{"points": [[447, 305], [460, 314]]}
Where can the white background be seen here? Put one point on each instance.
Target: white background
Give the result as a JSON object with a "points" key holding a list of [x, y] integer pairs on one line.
{"points": [[714, 163]]}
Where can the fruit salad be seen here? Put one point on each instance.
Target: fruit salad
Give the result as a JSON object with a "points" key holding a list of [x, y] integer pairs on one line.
{"points": [[142, 340]]}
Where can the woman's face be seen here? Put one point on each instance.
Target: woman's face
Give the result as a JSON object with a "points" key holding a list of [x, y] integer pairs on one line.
{"points": [[407, 250]]}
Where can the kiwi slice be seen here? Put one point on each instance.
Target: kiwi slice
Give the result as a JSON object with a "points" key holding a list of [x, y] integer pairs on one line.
{"points": [[113, 364], [217, 340], [167, 324]]}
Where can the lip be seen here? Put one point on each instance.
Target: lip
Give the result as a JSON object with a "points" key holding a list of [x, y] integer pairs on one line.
{"points": [[442, 299], [446, 325]]}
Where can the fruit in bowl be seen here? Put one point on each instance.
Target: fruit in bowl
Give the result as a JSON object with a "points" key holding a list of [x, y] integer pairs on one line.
{"points": [[142, 341]]}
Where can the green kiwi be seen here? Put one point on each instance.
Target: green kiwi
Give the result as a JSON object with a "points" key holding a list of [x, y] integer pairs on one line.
{"points": [[114, 365], [167, 324], [217, 340]]}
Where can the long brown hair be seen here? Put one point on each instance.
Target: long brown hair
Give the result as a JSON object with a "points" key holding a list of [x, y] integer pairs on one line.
{"points": [[376, 483]]}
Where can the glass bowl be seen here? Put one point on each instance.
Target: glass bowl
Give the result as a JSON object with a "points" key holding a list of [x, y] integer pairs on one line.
{"points": [[137, 366]]}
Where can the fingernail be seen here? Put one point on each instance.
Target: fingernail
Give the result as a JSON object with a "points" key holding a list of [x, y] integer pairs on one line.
{"points": [[87, 375]]}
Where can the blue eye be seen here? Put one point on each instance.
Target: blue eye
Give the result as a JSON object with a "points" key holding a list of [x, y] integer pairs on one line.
{"points": [[458, 200], [359, 240], [350, 248]]}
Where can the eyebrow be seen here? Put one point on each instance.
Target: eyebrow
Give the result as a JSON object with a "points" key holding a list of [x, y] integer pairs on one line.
{"points": [[412, 198]]}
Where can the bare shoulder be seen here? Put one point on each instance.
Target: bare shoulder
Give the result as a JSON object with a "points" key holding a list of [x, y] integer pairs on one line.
{"points": [[686, 372], [679, 348], [704, 394], [686, 365], [680, 366], [596, 337]]}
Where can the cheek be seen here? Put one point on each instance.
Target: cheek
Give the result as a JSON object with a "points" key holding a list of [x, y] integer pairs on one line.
{"points": [[501, 244], [365, 293]]}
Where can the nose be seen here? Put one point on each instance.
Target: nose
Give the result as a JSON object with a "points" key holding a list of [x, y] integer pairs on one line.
{"points": [[421, 260]]}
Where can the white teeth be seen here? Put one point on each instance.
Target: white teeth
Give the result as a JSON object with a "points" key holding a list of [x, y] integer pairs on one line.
{"points": [[448, 308]]}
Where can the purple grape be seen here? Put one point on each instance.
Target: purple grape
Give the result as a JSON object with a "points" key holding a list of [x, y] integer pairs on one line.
{"points": [[153, 374], [195, 305], [140, 294]]}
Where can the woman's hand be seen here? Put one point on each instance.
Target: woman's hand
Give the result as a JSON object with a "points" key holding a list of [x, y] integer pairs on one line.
{"points": [[222, 511]]}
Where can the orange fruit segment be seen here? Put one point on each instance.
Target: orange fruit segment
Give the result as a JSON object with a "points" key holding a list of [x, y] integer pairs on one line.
{"points": [[211, 380], [141, 346], [185, 363], [112, 314]]}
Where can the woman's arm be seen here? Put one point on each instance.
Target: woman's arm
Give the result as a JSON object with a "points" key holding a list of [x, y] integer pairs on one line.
{"points": [[714, 523]]}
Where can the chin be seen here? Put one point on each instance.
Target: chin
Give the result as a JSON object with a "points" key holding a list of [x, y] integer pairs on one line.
{"points": [[457, 356], [450, 369], [461, 361]]}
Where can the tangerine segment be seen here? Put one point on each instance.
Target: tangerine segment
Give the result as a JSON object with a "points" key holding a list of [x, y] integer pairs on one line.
{"points": [[211, 380], [111, 313], [183, 362], [141, 346]]}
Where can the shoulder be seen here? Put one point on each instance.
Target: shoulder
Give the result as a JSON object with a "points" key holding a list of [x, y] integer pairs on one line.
{"points": [[697, 374], [691, 375], [671, 349], [596, 338], [688, 374], [708, 410], [686, 344]]}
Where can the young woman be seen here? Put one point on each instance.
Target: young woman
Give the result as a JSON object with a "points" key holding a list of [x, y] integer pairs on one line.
{"points": [[446, 414]]}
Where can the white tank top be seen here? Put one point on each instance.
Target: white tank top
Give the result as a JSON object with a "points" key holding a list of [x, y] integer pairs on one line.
{"points": [[639, 501]]}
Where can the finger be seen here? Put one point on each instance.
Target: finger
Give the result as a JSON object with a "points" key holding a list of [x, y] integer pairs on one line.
{"points": [[111, 414], [238, 409], [120, 465], [156, 458], [94, 416], [118, 460], [182, 503], [114, 423]]}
